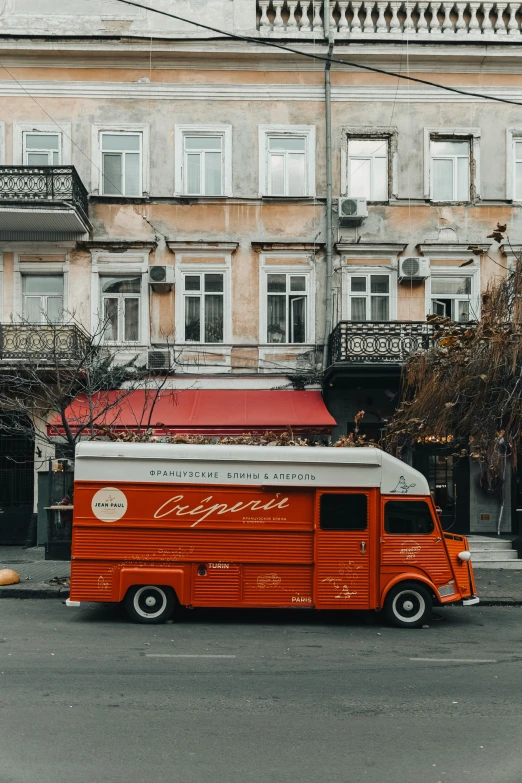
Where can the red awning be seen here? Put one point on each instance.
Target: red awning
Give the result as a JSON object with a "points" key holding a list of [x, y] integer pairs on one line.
{"points": [[202, 412]]}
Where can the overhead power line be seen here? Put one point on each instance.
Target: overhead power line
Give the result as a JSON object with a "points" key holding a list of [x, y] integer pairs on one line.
{"points": [[325, 59]]}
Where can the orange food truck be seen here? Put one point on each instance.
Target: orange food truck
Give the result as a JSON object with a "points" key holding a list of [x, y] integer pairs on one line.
{"points": [[158, 525]]}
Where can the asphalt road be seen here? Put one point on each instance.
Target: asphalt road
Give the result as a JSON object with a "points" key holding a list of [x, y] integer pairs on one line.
{"points": [[229, 697]]}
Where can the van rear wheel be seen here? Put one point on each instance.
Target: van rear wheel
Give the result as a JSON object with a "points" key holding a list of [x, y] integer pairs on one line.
{"points": [[408, 605], [150, 603]]}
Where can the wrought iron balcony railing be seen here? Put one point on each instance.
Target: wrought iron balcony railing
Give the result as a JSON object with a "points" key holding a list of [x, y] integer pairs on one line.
{"points": [[42, 344], [373, 342], [48, 184]]}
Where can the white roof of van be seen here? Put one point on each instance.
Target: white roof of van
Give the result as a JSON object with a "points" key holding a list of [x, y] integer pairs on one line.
{"points": [[319, 466]]}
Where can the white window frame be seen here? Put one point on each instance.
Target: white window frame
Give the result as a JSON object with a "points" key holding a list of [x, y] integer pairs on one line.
{"points": [[365, 270], [41, 268], [106, 264], [472, 272], [369, 133], [63, 129], [225, 132], [299, 269], [305, 131], [97, 158], [457, 134], [184, 269], [44, 297], [27, 151], [512, 136]]}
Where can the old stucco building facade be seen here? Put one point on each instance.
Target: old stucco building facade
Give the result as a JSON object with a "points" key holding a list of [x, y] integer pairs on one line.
{"points": [[207, 155]]}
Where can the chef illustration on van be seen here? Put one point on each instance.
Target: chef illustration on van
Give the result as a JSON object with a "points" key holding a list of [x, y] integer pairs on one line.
{"points": [[402, 487]]}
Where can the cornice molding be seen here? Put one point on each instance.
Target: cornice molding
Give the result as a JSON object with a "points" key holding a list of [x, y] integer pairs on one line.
{"points": [[184, 245], [243, 92], [376, 250], [464, 251]]}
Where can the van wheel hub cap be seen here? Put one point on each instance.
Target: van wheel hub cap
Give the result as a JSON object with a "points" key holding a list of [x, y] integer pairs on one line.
{"points": [[408, 606]]}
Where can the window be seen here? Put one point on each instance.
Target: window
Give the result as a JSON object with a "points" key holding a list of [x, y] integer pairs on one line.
{"points": [[121, 164], [286, 166], [343, 512], [42, 298], [203, 307], [451, 297], [518, 169], [286, 308], [368, 168], [369, 297], [42, 149], [450, 170], [121, 308], [203, 165], [403, 518], [287, 163]]}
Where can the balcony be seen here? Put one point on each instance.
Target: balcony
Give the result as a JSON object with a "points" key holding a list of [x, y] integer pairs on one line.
{"points": [[42, 345], [378, 343], [42, 203], [447, 22]]}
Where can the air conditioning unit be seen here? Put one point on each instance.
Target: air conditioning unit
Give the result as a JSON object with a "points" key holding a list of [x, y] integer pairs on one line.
{"points": [[412, 268], [161, 275], [352, 210], [159, 359]]}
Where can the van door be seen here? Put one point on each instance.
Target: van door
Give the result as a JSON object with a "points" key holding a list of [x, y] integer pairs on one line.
{"points": [[344, 550], [412, 539]]}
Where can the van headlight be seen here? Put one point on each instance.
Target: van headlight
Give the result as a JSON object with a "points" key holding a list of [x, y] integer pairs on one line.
{"points": [[464, 556]]}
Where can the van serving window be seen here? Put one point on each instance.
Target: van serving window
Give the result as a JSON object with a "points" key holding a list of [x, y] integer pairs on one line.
{"points": [[402, 517], [343, 512]]}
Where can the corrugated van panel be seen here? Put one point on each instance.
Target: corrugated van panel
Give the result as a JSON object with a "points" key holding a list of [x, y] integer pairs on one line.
{"points": [[342, 572], [417, 552], [94, 581], [194, 545], [218, 587], [280, 586]]}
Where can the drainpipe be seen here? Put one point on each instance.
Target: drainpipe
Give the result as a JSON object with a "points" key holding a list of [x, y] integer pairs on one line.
{"points": [[329, 35]]}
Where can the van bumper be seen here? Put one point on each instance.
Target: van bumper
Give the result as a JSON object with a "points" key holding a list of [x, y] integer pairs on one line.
{"points": [[68, 602], [474, 599]]}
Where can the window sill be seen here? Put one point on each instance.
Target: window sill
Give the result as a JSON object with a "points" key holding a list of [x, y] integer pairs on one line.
{"points": [[266, 197]]}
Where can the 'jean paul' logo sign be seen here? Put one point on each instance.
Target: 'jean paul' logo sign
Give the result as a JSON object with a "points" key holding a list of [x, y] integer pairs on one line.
{"points": [[109, 504]]}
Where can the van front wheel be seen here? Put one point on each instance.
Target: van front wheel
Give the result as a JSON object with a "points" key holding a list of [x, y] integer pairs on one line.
{"points": [[149, 603], [408, 605]]}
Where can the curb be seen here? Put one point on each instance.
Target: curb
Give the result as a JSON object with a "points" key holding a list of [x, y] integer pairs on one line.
{"points": [[43, 591]]}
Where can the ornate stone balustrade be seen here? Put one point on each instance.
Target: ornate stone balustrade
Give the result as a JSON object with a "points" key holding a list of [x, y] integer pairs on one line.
{"points": [[437, 21]]}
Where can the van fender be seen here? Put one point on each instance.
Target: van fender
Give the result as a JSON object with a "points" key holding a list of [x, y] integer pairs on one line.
{"points": [[177, 578], [407, 576]]}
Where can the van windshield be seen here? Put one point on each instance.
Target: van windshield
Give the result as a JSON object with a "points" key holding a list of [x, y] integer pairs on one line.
{"points": [[408, 517]]}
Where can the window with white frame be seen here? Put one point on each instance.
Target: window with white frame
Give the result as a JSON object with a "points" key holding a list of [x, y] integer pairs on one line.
{"points": [[450, 169], [286, 307], [517, 163], [120, 308], [121, 158], [203, 306], [287, 160], [42, 298], [369, 297], [451, 296], [41, 149], [368, 168], [203, 164]]}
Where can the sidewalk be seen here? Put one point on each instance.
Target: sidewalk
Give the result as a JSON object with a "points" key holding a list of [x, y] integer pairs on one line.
{"points": [[36, 574], [495, 587]]}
